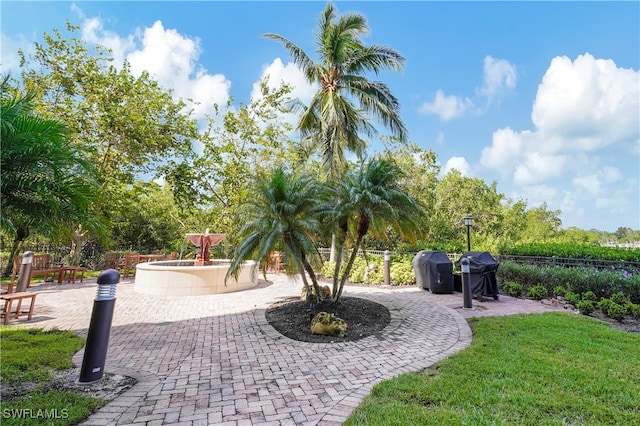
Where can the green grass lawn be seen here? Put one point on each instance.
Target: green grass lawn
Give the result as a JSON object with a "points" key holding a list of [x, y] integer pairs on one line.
{"points": [[27, 359], [540, 369]]}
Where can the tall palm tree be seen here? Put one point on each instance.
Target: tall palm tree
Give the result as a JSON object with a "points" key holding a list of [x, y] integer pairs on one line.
{"points": [[371, 201], [339, 112], [281, 214], [46, 183]]}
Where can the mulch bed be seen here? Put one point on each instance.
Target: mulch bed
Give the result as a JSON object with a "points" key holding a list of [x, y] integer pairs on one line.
{"points": [[292, 318]]}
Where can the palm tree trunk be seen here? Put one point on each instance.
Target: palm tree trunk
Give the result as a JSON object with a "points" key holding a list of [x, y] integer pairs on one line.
{"points": [[347, 270], [305, 282], [332, 252], [314, 279], [340, 237]]}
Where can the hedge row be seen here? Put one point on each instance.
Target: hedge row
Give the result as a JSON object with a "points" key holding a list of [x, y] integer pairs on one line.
{"points": [[576, 251], [603, 283]]}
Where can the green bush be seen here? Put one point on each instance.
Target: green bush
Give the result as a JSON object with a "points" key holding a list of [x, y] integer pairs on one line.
{"points": [[590, 296], [537, 292], [512, 289], [619, 298], [402, 273], [616, 311], [572, 298], [357, 270], [559, 291], [374, 274], [634, 310], [604, 305], [585, 307], [328, 269]]}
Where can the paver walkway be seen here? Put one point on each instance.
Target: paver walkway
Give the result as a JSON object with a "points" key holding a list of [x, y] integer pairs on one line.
{"points": [[214, 360]]}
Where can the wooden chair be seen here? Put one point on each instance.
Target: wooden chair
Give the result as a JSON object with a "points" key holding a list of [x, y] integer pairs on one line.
{"points": [[111, 260], [276, 262], [129, 264]]}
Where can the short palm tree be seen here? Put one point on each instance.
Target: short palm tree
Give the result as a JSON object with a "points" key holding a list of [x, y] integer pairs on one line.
{"points": [[281, 214], [371, 200], [46, 183], [339, 112]]}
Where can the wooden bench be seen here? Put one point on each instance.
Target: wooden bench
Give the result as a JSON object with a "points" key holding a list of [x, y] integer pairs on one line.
{"points": [[8, 313], [41, 265]]}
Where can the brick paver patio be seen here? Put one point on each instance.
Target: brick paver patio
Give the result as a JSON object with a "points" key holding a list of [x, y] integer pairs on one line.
{"points": [[214, 360]]}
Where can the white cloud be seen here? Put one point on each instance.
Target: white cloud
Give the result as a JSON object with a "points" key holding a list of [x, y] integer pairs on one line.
{"points": [[538, 194], [277, 73], [93, 31], [537, 168], [170, 57], [447, 107], [582, 108], [9, 60], [507, 147], [595, 182], [499, 77], [587, 104], [458, 163]]}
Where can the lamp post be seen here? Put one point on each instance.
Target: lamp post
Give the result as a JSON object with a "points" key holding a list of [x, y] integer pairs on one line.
{"points": [[467, 222]]}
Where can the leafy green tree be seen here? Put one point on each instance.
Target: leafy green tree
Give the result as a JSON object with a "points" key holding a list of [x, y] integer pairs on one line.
{"points": [[243, 142], [338, 115], [541, 225], [46, 182], [131, 123], [281, 214], [457, 196], [146, 217], [372, 200]]}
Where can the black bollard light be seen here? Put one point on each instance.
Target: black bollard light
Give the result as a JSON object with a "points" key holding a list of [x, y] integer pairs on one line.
{"points": [[24, 275], [95, 351], [466, 283], [387, 267]]}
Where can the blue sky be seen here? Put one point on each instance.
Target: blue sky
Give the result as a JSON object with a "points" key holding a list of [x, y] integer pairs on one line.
{"points": [[541, 97]]}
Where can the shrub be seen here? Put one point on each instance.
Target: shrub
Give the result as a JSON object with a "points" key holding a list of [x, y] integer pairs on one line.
{"points": [[616, 311], [374, 274], [585, 307], [619, 298], [357, 270], [512, 289], [572, 298], [590, 296], [537, 292], [402, 273], [604, 305], [559, 291], [328, 269], [634, 310]]}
